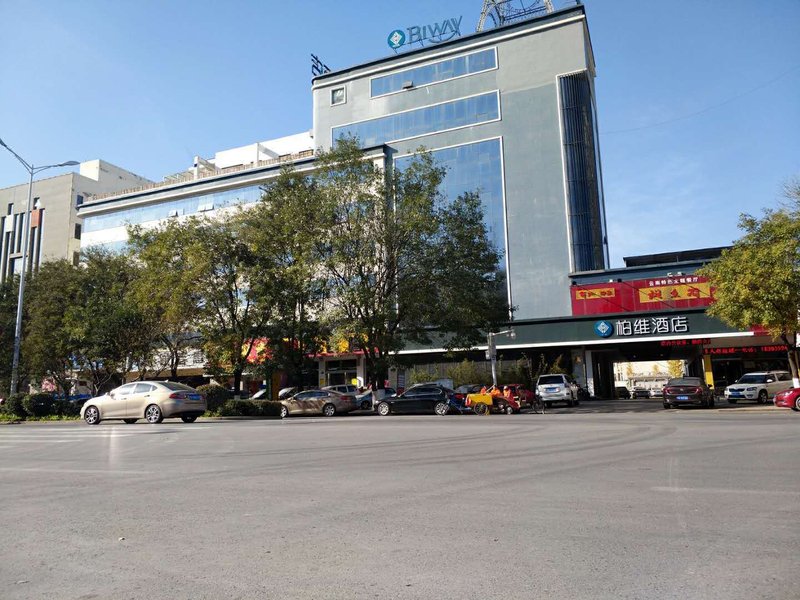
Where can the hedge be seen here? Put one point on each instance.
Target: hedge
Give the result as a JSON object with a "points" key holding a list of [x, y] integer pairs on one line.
{"points": [[13, 405], [250, 408], [216, 396]]}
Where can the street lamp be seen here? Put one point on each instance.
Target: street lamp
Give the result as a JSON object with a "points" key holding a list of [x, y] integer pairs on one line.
{"points": [[491, 352], [26, 222]]}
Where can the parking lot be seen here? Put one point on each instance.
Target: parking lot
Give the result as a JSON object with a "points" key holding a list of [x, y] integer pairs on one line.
{"points": [[606, 500]]}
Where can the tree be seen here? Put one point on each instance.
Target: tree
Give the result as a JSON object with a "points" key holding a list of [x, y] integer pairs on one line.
{"points": [[166, 291], [757, 281], [112, 334], [8, 314], [286, 253], [227, 286], [400, 263], [675, 368], [49, 344]]}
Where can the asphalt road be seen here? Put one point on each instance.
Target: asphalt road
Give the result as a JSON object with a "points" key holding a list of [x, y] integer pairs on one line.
{"points": [[592, 504]]}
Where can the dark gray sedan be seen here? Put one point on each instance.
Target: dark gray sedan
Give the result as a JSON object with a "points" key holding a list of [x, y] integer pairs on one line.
{"points": [[687, 391]]}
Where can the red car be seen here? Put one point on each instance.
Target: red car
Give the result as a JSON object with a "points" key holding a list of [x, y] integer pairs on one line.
{"points": [[788, 399]]}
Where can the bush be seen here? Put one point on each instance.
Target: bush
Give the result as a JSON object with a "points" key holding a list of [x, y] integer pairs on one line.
{"points": [[14, 407], [40, 404], [216, 397], [65, 408], [250, 408]]}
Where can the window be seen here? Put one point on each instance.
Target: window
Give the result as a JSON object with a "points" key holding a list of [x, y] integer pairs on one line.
{"points": [[10, 208], [421, 121], [143, 388], [474, 167], [338, 96], [125, 390], [78, 200], [77, 231], [434, 73]]}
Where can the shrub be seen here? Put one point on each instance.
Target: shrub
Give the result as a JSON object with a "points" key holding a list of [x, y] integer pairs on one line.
{"points": [[40, 404], [216, 397], [65, 408], [13, 405], [250, 408]]}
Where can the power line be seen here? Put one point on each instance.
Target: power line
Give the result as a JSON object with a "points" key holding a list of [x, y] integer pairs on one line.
{"points": [[706, 109]]}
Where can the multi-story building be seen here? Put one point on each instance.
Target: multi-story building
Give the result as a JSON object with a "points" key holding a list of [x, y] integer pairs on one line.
{"points": [[510, 112], [56, 229]]}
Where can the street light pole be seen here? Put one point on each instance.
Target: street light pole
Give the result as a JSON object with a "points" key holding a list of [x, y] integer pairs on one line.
{"points": [[26, 227], [492, 349]]}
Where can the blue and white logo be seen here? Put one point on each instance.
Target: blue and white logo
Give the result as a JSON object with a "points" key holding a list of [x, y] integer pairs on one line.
{"points": [[603, 328], [396, 39]]}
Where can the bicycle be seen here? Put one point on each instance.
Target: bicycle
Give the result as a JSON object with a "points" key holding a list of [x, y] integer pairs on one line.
{"points": [[537, 404]]}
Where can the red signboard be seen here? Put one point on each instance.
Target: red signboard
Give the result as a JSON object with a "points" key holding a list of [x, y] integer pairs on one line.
{"points": [[746, 350], [663, 293]]}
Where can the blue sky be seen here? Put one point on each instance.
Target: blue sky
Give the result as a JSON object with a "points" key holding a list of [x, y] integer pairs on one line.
{"points": [[699, 103]]}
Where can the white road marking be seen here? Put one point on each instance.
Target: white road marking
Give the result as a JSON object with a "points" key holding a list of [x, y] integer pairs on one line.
{"points": [[77, 471], [685, 490]]}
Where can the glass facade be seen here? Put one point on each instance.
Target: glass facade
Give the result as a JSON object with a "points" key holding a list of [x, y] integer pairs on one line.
{"points": [[163, 210], [434, 73], [475, 167], [421, 121]]}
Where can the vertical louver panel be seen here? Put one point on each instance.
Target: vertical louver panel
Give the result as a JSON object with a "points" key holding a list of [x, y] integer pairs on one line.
{"points": [[583, 187]]}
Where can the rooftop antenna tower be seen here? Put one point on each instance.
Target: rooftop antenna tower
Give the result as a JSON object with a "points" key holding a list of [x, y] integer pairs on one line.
{"points": [[503, 12]]}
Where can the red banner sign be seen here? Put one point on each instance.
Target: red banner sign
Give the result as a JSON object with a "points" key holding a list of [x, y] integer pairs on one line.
{"points": [[683, 291]]}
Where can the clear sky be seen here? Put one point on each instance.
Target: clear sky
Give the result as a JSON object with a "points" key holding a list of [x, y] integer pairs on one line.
{"points": [[698, 102]]}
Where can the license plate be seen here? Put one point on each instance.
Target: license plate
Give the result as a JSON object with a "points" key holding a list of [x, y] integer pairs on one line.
{"points": [[683, 397], [194, 396], [551, 389], [736, 394]]}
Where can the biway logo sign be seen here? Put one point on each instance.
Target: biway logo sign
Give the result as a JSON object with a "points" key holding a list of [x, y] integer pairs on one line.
{"points": [[435, 33]]}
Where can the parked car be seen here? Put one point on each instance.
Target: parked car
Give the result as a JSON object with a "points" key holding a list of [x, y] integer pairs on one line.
{"points": [[318, 402], [687, 391], [421, 398], [153, 401], [640, 393], [557, 388], [366, 399], [657, 393], [622, 392], [759, 386], [788, 399]]}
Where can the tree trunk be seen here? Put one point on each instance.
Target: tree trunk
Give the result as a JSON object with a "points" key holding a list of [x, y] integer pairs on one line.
{"points": [[237, 383]]}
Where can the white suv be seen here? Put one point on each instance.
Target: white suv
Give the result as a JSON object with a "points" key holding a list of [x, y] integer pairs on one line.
{"points": [[557, 388], [760, 386]]}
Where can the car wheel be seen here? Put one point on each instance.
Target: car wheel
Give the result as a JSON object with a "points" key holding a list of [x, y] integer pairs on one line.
{"points": [[130, 421], [91, 415], [153, 414], [284, 412], [191, 419], [796, 404], [329, 410], [762, 397], [441, 408], [384, 409], [509, 410]]}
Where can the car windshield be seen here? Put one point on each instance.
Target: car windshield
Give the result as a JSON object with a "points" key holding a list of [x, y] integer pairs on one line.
{"points": [[550, 379], [752, 379], [684, 381], [176, 387]]}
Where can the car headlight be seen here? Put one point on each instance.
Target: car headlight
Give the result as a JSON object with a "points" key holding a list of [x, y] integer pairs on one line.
{"points": [[750, 389]]}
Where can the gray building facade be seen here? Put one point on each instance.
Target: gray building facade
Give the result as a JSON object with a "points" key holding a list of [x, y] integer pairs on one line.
{"points": [[510, 112]]}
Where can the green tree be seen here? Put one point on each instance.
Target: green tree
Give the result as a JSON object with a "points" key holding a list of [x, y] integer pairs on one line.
{"points": [[49, 343], [399, 262], [8, 314], [111, 333], [287, 256], [167, 292], [757, 281], [226, 285]]}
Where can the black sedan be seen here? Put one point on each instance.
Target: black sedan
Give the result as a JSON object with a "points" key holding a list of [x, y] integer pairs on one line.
{"points": [[424, 398], [688, 391]]}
